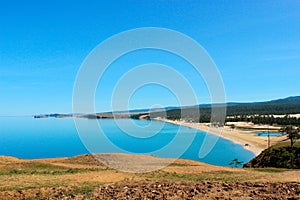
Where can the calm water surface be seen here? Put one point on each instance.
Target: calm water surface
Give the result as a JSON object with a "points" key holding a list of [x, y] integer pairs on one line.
{"points": [[26, 137]]}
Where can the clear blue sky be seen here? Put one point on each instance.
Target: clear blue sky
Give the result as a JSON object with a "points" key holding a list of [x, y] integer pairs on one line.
{"points": [[256, 46]]}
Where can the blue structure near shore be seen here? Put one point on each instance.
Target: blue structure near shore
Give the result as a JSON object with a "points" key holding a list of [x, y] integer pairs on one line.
{"points": [[270, 133]]}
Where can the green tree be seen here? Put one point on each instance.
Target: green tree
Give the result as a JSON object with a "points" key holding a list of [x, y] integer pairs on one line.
{"points": [[292, 134], [235, 162]]}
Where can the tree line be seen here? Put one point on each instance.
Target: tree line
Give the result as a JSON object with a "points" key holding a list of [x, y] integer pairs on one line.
{"points": [[266, 119]]}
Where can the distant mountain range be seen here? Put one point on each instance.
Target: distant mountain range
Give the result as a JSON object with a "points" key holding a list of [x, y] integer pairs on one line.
{"points": [[289, 105], [293, 102], [288, 100]]}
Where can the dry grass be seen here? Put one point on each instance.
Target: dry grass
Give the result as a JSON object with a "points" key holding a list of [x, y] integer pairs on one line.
{"points": [[84, 173]]}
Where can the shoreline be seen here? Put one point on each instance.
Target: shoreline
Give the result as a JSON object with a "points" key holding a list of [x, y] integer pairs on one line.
{"points": [[247, 139]]}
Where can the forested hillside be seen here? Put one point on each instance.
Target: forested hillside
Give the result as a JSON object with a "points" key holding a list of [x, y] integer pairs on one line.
{"points": [[239, 112], [278, 156]]}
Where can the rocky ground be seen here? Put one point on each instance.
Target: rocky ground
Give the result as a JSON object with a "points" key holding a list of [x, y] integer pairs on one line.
{"points": [[167, 190], [201, 190]]}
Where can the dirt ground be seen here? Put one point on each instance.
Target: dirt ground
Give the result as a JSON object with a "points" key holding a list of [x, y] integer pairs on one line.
{"points": [[168, 190]]}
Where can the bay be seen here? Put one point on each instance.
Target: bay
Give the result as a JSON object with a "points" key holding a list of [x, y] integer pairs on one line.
{"points": [[29, 138]]}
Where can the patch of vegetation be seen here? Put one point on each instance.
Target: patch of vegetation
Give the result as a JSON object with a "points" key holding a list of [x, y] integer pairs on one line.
{"points": [[270, 170], [223, 176], [31, 184], [85, 189], [42, 168], [180, 164], [265, 119], [235, 163], [281, 155]]}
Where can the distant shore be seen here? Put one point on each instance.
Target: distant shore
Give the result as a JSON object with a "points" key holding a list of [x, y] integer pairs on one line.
{"points": [[248, 139], [241, 133]]}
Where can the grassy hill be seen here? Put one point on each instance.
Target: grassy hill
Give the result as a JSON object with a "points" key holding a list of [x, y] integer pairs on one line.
{"points": [[83, 177], [278, 156]]}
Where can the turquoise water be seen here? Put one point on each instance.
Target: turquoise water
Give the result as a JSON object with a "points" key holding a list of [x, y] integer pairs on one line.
{"points": [[29, 138], [270, 133]]}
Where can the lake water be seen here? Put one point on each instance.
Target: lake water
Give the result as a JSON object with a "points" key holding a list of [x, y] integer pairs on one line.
{"points": [[26, 137], [270, 133]]}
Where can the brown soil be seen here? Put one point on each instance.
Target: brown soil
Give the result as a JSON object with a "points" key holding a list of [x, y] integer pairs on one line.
{"points": [[202, 190], [168, 190]]}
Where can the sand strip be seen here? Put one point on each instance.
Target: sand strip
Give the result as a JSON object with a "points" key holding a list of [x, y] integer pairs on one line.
{"points": [[248, 139]]}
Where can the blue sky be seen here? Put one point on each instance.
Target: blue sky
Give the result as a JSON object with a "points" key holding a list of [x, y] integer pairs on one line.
{"points": [[255, 45]]}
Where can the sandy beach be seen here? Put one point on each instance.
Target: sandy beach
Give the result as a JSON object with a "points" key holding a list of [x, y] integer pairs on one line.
{"points": [[247, 138]]}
